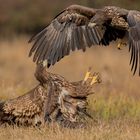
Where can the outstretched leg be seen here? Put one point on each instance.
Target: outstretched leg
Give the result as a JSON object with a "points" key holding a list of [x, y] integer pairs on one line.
{"points": [[50, 103]]}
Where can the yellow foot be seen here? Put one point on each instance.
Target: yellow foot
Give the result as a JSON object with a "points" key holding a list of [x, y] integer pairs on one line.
{"points": [[121, 45], [87, 76], [96, 78]]}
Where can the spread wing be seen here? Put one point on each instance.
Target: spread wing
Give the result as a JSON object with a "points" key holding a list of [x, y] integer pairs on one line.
{"points": [[70, 30], [25, 109], [133, 19], [67, 32]]}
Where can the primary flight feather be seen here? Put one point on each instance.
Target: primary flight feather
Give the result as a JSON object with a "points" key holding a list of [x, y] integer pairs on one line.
{"points": [[78, 27]]}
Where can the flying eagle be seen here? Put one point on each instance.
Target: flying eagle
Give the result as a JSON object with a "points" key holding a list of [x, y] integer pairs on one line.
{"points": [[78, 27]]}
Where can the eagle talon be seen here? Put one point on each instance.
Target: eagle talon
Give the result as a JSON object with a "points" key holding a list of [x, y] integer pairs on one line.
{"points": [[87, 76], [95, 78], [121, 44]]}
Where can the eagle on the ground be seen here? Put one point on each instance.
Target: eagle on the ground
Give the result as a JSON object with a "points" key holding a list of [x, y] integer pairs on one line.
{"points": [[54, 96], [78, 27], [60, 89], [28, 110]]}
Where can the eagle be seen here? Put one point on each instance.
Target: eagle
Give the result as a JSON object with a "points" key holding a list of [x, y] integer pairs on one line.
{"points": [[65, 108], [59, 88], [28, 110], [78, 27]]}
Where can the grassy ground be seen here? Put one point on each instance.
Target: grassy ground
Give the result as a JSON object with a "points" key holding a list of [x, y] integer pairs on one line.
{"points": [[115, 106]]}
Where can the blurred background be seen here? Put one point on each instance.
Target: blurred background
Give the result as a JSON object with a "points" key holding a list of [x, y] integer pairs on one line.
{"points": [[29, 16], [20, 19]]}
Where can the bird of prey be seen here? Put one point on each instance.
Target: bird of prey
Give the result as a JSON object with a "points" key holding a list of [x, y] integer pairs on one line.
{"points": [[78, 27], [60, 89], [30, 108]]}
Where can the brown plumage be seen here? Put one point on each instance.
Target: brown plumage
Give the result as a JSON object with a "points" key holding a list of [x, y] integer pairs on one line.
{"points": [[26, 109], [31, 108], [78, 27], [60, 89]]}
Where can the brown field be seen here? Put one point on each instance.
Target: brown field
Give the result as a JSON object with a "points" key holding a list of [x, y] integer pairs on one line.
{"points": [[115, 106]]}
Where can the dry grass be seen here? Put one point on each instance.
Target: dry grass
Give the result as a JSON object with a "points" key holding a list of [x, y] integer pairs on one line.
{"points": [[115, 106], [116, 130]]}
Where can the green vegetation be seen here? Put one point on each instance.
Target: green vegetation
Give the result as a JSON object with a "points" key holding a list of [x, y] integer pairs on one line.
{"points": [[114, 107]]}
